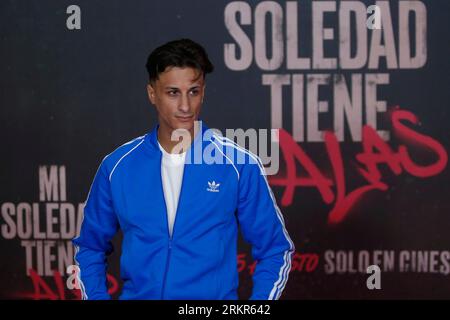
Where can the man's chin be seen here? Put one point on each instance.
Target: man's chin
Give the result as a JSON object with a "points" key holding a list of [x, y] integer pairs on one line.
{"points": [[185, 125]]}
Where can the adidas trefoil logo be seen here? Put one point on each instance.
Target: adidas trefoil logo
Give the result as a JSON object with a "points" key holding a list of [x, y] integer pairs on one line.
{"points": [[213, 186]]}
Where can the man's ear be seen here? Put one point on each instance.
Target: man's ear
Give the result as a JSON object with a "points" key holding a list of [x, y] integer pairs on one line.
{"points": [[151, 93]]}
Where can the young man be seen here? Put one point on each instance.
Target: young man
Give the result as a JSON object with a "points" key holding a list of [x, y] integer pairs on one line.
{"points": [[180, 218]]}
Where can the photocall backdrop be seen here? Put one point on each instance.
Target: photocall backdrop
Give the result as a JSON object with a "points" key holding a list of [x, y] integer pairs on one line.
{"points": [[361, 100]]}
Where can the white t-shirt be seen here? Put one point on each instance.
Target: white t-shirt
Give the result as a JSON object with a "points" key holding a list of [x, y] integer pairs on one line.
{"points": [[172, 167]]}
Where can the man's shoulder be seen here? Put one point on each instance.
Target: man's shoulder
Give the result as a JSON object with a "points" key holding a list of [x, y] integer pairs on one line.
{"points": [[241, 157], [113, 158]]}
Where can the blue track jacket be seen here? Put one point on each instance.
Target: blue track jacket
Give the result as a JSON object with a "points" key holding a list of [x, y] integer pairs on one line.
{"points": [[199, 261]]}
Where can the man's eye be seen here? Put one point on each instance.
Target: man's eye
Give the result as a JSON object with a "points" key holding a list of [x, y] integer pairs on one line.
{"points": [[172, 93], [194, 92]]}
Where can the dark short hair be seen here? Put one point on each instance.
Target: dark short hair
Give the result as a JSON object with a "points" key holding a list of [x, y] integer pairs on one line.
{"points": [[178, 53]]}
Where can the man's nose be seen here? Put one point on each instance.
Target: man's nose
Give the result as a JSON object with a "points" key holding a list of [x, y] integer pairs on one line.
{"points": [[184, 103]]}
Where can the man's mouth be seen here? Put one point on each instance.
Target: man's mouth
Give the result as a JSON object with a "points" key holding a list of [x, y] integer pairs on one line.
{"points": [[185, 118]]}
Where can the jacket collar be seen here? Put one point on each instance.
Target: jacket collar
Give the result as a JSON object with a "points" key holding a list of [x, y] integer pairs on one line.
{"points": [[152, 138]]}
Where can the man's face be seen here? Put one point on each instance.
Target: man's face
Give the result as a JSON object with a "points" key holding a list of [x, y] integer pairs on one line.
{"points": [[177, 95]]}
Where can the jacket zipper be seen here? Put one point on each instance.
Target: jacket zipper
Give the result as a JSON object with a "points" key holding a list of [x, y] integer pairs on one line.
{"points": [[167, 269], [167, 224]]}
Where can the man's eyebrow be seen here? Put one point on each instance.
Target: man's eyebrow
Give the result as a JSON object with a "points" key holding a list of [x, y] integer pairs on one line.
{"points": [[176, 88]]}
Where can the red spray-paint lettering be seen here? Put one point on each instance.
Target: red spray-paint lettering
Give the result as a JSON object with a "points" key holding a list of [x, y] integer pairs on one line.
{"points": [[43, 291], [305, 262], [396, 161], [302, 262]]}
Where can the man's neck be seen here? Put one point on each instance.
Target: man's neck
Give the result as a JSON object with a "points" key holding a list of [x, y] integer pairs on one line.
{"points": [[164, 139]]}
